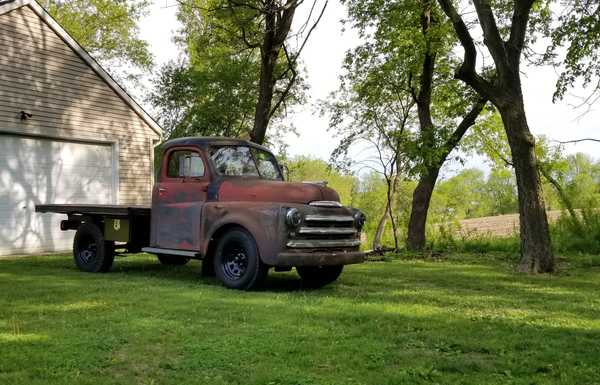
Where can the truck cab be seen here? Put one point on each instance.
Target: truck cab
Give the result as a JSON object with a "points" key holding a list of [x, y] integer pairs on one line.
{"points": [[226, 201]]}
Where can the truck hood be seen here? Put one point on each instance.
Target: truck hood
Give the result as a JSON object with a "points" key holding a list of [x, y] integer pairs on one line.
{"points": [[260, 190]]}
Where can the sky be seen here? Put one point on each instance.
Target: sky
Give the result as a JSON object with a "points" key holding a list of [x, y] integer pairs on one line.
{"points": [[323, 57]]}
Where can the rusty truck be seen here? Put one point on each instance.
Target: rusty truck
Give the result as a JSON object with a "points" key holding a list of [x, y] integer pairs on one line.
{"points": [[224, 201]]}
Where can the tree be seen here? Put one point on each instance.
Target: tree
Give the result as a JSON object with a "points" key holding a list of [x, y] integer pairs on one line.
{"points": [[501, 189], [213, 91], [304, 169], [412, 46], [461, 196], [107, 29], [241, 71], [373, 108], [577, 33], [490, 138], [505, 44], [265, 25]]}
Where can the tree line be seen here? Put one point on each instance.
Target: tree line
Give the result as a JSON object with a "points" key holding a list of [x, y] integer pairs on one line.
{"points": [[426, 73]]}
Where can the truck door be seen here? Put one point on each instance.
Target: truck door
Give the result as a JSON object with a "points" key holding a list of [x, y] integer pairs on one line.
{"points": [[177, 199]]}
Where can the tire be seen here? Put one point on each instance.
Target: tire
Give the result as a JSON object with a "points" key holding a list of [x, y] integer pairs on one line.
{"points": [[237, 263], [91, 252], [172, 260], [318, 276]]}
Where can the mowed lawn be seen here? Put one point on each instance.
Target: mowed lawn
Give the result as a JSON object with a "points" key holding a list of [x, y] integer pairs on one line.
{"points": [[450, 320]]}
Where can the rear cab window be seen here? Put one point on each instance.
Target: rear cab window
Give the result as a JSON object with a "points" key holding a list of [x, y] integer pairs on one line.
{"points": [[185, 164]]}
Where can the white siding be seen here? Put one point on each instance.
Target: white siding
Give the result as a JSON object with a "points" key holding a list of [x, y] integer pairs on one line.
{"points": [[34, 171], [41, 74]]}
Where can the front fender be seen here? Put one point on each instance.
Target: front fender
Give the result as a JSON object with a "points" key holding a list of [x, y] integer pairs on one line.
{"points": [[262, 220]]}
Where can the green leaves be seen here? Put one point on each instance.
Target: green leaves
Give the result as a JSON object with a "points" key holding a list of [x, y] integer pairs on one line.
{"points": [[578, 32], [214, 91], [106, 28]]}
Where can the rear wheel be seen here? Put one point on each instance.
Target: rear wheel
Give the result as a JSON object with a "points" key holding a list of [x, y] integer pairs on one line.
{"points": [[90, 251], [318, 276], [172, 260], [237, 263]]}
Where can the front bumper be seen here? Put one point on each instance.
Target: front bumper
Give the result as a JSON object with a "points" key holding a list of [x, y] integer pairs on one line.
{"points": [[319, 258]]}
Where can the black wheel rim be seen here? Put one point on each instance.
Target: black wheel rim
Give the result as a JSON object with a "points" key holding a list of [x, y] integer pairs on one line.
{"points": [[235, 262], [87, 250]]}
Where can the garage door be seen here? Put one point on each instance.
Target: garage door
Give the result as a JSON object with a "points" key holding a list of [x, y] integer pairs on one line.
{"points": [[34, 171]]}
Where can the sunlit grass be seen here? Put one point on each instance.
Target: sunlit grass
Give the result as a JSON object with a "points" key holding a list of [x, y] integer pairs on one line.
{"points": [[464, 319]]}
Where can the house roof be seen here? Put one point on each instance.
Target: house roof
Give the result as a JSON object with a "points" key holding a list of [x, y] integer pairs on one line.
{"points": [[11, 5]]}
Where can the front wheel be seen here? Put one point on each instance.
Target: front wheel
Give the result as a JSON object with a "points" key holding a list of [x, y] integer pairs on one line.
{"points": [[172, 260], [318, 276], [237, 263], [90, 251]]}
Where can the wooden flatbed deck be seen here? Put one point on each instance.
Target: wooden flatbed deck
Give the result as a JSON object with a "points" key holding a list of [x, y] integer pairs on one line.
{"points": [[106, 210]]}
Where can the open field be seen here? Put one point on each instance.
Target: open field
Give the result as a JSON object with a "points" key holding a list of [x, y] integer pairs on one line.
{"points": [[499, 225], [453, 320]]}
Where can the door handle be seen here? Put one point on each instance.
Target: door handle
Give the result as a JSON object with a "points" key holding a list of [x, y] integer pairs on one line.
{"points": [[161, 189], [162, 192]]}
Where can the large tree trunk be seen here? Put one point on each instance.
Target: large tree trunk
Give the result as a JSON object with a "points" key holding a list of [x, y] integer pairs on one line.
{"points": [[277, 23], [422, 195], [420, 206], [536, 249], [265, 97]]}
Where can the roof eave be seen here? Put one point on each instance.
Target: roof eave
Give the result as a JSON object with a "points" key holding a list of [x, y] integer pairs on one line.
{"points": [[11, 5]]}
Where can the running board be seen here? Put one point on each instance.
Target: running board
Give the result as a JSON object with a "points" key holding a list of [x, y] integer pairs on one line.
{"points": [[183, 253]]}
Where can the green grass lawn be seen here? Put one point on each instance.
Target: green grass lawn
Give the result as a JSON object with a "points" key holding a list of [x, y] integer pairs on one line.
{"points": [[455, 320]]}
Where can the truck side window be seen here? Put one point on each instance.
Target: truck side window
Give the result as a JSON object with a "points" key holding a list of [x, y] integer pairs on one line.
{"points": [[185, 164], [267, 166]]}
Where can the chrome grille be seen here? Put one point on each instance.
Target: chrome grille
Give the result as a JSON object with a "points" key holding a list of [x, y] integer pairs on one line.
{"points": [[325, 231]]}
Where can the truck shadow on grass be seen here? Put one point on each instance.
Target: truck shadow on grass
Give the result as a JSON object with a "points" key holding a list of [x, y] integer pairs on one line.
{"points": [[192, 273]]}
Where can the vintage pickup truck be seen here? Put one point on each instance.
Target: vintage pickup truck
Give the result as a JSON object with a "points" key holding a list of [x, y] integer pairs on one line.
{"points": [[224, 201]]}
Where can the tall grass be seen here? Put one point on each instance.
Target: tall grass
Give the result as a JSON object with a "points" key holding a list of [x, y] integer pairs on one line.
{"points": [[582, 237], [451, 238], [567, 236]]}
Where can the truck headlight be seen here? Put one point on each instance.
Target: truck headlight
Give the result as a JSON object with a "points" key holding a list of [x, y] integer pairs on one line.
{"points": [[293, 218], [359, 220]]}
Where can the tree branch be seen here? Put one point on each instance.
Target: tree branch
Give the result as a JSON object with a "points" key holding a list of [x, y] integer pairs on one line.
{"points": [[285, 22], [288, 86], [461, 129], [241, 25], [491, 35], [578, 140], [310, 31], [467, 71], [518, 29]]}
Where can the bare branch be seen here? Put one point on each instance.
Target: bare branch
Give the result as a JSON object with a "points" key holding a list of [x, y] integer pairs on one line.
{"points": [[288, 86], [577, 141], [310, 31]]}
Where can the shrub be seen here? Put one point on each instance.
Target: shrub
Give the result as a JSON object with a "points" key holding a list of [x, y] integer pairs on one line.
{"points": [[568, 236]]}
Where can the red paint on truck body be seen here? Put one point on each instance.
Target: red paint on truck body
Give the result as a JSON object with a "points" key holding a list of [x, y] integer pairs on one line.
{"points": [[188, 213], [260, 190]]}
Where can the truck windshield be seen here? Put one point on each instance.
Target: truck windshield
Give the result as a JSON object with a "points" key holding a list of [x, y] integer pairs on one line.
{"points": [[245, 161]]}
